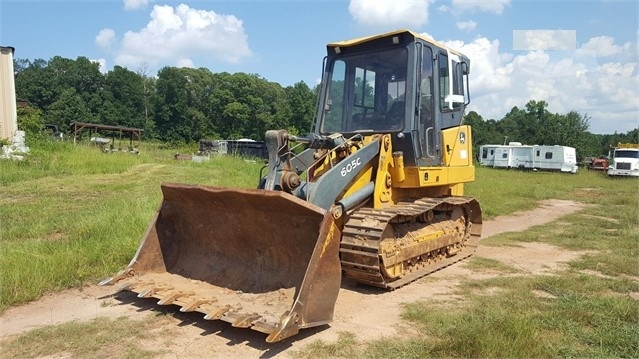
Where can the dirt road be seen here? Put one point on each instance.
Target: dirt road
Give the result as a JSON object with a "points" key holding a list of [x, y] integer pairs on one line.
{"points": [[367, 312]]}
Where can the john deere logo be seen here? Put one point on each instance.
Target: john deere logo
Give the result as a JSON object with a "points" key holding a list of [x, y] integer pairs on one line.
{"points": [[462, 137]]}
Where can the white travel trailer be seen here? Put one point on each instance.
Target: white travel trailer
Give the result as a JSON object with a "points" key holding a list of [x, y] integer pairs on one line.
{"points": [[487, 153], [555, 158], [513, 155], [535, 157]]}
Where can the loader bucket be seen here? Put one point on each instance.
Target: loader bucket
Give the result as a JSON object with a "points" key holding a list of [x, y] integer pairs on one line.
{"points": [[257, 259]]}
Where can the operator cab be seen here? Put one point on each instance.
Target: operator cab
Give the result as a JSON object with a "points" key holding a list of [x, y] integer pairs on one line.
{"points": [[399, 83]]}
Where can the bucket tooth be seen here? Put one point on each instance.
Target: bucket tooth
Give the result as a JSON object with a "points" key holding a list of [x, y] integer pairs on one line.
{"points": [[146, 293], [264, 327], [192, 306], [151, 291], [217, 313], [107, 281], [245, 320], [121, 275], [172, 297]]}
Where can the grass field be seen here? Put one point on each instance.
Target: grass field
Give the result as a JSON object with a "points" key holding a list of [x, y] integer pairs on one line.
{"points": [[72, 215]]}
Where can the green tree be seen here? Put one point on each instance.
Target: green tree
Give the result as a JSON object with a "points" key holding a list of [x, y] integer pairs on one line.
{"points": [[148, 89], [271, 111], [237, 115], [301, 104], [30, 121], [246, 105], [182, 104], [52, 85], [508, 127], [171, 105], [82, 75], [35, 83], [633, 136], [69, 108], [123, 98]]}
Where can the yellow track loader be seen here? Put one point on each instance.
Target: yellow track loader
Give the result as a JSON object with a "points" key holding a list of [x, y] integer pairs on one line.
{"points": [[374, 193]]}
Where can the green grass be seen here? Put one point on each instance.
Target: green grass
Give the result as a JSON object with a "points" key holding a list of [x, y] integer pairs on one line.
{"points": [[578, 319], [584, 311], [479, 264], [502, 192], [99, 338], [85, 217], [71, 215]]}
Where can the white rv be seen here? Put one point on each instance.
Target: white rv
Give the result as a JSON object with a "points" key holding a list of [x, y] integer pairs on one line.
{"points": [[535, 157], [625, 161], [513, 155], [555, 158]]}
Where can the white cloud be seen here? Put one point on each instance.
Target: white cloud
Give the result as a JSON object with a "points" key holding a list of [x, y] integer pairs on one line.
{"points": [[466, 25], [105, 39], [185, 63], [135, 4], [490, 70], [544, 40], [541, 89], [443, 8], [390, 13], [602, 46], [180, 35], [567, 80], [494, 6]]}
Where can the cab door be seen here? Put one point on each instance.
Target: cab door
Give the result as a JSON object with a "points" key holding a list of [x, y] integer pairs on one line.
{"points": [[426, 120]]}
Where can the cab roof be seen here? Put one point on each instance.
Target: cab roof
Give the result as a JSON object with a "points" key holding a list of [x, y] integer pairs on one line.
{"points": [[365, 39]]}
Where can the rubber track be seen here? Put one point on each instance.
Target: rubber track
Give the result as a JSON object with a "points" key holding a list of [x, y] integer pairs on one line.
{"points": [[363, 233]]}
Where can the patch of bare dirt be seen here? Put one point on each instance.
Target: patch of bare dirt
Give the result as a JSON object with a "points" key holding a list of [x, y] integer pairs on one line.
{"points": [[368, 312]]}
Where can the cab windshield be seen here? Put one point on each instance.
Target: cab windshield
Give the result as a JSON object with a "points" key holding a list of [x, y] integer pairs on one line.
{"points": [[626, 154], [366, 92]]}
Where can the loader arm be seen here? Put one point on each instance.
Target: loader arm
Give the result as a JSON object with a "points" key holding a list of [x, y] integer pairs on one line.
{"points": [[326, 190]]}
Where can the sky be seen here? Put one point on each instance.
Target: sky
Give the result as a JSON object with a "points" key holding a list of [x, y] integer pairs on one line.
{"points": [[577, 55]]}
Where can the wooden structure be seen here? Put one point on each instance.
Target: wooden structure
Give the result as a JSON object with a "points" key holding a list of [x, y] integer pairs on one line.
{"points": [[120, 131]]}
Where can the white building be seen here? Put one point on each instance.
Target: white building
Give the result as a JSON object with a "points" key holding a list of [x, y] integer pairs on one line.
{"points": [[8, 114]]}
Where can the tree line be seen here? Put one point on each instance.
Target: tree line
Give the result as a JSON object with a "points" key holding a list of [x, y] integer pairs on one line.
{"points": [[182, 105], [179, 105], [535, 125]]}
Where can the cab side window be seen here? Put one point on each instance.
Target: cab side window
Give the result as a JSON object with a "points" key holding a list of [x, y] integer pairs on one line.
{"points": [[426, 87], [444, 81], [451, 81]]}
